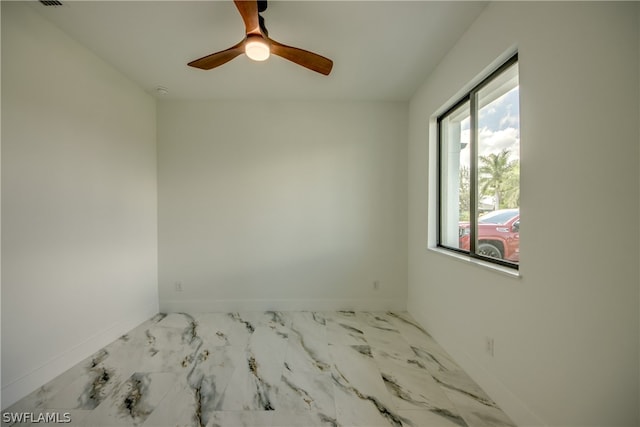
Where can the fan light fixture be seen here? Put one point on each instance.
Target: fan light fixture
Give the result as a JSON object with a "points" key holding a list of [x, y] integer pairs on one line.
{"points": [[258, 46], [257, 49]]}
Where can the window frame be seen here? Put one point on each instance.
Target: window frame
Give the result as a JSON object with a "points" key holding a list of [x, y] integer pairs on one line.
{"points": [[470, 97]]}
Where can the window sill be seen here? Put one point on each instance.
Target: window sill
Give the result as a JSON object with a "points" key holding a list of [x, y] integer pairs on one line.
{"points": [[483, 264]]}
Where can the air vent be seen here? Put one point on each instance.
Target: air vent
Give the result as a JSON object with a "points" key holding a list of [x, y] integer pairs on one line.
{"points": [[51, 2]]}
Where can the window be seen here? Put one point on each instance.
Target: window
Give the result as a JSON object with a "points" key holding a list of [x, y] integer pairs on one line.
{"points": [[479, 170]]}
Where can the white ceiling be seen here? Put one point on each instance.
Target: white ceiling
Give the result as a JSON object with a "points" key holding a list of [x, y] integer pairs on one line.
{"points": [[382, 50]]}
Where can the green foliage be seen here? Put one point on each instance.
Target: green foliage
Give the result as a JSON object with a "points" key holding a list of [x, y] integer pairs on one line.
{"points": [[500, 178], [511, 196], [465, 193]]}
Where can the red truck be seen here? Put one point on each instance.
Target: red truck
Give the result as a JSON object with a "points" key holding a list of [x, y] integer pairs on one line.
{"points": [[498, 235]]}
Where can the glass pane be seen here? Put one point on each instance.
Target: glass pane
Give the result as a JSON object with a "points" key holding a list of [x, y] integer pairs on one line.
{"points": [[498, 200], [454, 178]]}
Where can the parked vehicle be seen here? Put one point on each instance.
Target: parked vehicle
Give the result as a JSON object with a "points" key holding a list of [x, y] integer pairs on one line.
{"points": [[498, 235]]}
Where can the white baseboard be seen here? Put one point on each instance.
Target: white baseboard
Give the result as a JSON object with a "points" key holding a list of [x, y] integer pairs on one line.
{"points": [[21, 387], [224, 306], [515, 408], [508, 402]]}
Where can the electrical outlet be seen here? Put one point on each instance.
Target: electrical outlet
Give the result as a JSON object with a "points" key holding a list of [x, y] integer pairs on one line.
{"points": [[376, 285], [178, 286], [489, 346]]}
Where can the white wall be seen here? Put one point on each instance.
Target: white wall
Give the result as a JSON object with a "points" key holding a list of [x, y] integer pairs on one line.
{"points": [[282, 205], [566, 331], [0, 216], [79, 205]]}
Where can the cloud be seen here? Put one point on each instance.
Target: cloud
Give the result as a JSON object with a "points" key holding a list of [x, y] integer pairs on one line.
{"points": [[510, 121], [499, 123], [493, 142]]}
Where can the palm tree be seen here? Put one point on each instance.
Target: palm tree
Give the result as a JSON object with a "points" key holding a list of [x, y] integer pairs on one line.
{"points": [[464, 193], [511, 195], [496, 174]]}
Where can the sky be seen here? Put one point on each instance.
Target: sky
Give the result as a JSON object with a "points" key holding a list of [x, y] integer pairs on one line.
{"points": [[499, 128]]}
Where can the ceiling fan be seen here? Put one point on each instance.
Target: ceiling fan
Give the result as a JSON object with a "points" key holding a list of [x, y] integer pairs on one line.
{"points": [[258, 46]]}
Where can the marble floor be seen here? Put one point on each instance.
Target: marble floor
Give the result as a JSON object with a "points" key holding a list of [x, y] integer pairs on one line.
{"points": [[294, 369]]}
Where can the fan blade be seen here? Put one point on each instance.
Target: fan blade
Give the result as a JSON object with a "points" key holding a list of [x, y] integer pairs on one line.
{"points": [[249, 11], [307, 59], [216, 59]]}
